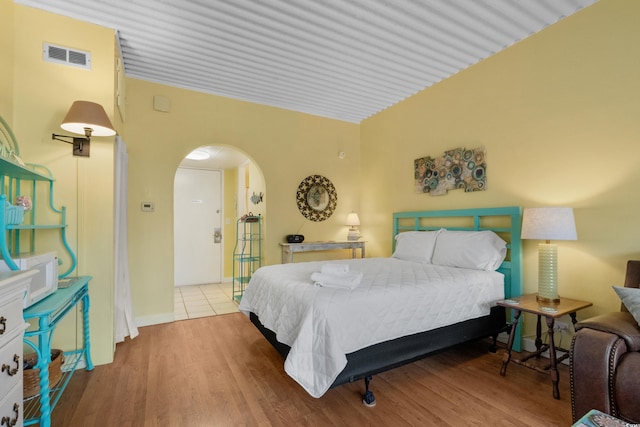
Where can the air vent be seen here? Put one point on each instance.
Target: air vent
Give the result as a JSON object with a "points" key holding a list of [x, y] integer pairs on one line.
{"points": [[63, 55]]}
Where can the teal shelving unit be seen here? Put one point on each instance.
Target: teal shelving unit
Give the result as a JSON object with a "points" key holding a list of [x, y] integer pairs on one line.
{"points": [[17, 179], [247, 253]]}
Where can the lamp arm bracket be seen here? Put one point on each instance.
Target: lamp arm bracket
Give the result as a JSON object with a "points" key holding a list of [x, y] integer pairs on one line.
{"points": [[80, 145], [74, 140]]}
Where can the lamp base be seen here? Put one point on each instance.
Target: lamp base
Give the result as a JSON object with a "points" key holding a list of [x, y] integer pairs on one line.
{"points": [[547, 273], [353, 234], [548, 300]]}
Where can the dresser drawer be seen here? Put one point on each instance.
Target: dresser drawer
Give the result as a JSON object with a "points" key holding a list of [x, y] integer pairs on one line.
{"points": [[11, 406], [11, 362], [10, 316]]}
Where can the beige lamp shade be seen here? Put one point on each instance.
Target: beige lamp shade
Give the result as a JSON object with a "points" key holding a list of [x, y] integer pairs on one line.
{"points": [[352, 219], [548, 224], [85, 115]]}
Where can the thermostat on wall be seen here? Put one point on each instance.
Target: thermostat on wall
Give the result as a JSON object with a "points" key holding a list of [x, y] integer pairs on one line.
{"points": [[148, 206]]}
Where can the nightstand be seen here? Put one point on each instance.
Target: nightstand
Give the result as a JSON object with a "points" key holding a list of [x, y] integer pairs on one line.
{"points": [[550, 311]]}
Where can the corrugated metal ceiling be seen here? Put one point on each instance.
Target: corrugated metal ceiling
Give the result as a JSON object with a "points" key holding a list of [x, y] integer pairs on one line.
{"points": [[342, 59]]}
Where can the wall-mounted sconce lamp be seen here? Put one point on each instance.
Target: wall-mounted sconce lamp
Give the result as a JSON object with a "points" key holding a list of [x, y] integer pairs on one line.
{"points": [[88, 119]]}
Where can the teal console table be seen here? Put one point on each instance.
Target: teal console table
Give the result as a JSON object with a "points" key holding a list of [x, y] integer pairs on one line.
{"points": [[44, 317]]}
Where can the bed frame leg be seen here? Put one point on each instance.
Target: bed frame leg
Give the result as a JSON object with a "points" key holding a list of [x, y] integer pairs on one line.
{"points": [[493, 348], [368, 398]]}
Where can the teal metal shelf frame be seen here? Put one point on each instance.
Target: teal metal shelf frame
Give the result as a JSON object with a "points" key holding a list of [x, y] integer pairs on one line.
{"points": [[46, 315], [12, 176], [247, 253]]}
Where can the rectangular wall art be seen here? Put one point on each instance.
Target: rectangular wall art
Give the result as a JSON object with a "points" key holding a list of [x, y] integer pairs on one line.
{"points": [[458, 168]]}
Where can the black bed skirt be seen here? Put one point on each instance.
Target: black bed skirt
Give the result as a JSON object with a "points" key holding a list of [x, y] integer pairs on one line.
{"points": [[390, 354]]}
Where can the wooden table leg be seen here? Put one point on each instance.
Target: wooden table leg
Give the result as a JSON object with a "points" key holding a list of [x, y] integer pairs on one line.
{"points": [[574, 320], [507, 354], [287, 255], [552, 358]]}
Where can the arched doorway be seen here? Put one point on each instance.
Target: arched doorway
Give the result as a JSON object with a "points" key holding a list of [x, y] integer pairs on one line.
{"points": [[238, 180]]}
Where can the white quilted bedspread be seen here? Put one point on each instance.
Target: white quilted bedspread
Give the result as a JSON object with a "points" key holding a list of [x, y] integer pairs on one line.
{"points": [[395, 298]]}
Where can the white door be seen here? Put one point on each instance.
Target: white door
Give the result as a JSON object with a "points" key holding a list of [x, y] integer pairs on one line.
{"points": [[197, 210]]}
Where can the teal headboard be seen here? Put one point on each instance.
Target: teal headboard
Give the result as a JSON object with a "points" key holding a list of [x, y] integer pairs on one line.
{"points": [[504, 221]]}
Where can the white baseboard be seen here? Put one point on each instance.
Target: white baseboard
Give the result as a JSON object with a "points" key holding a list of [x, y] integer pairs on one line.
{"points": [[155, 319]]}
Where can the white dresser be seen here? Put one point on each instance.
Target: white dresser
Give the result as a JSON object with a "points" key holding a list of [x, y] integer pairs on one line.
{"points": [[13, 286]]}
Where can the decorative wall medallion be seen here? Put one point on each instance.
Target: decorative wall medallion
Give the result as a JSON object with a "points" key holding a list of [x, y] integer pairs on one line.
{"points": [[316, 198], [458, 168]]}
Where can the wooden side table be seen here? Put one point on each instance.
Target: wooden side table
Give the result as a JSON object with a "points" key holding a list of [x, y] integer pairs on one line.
{"points": [[288, 249], [550, 311]]}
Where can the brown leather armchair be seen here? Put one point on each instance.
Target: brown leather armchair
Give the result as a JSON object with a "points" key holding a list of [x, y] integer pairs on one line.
{"points": [[605, 362]]}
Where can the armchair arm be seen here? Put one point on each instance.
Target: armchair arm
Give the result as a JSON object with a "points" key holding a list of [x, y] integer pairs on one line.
{"points": [[618, 323], [594, 357]]}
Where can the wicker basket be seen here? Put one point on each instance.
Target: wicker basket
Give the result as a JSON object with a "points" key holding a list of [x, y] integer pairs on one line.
{"points": [[13, 215], [31, 386]]}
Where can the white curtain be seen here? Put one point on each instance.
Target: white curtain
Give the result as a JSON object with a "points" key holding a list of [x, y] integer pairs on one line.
{"points": [[124, 324]]}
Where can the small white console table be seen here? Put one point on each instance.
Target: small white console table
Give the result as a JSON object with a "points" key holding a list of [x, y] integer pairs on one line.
{"points": [[288, 249]]}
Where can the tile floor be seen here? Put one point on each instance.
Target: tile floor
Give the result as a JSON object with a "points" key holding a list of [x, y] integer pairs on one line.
{"points": [[195, 301]]}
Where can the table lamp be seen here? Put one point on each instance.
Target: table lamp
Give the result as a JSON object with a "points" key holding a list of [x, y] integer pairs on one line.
{"points": [[353, 222], [548, 224]]}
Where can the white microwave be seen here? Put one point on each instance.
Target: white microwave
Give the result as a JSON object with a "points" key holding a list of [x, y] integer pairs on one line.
{"points": [[44, 282]]}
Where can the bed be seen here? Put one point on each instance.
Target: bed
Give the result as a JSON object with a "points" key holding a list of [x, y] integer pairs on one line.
{"points": [[405, 307]]}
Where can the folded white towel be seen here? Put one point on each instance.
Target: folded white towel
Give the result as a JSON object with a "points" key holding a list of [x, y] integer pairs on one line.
{"points": [[333, 268], [344, 281]]}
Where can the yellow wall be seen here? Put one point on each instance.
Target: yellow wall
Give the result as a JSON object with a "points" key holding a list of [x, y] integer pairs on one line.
{"points": [[42, 92], [286, 146], [558, 114], [6, 60]]}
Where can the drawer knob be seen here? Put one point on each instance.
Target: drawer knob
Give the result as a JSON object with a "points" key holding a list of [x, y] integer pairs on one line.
{"points": [[3, 324], [15, 370], [10, 422]]}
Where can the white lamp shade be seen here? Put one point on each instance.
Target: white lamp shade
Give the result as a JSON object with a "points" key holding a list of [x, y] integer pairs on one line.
{"points": [[86, 114], [548, 224], [352, 219]]}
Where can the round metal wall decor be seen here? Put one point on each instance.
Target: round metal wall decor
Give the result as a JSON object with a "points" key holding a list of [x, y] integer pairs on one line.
{"points": [[316, 198]]}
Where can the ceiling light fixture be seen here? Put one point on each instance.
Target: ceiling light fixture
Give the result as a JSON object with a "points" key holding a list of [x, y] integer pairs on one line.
{"points": [[198, 155]]}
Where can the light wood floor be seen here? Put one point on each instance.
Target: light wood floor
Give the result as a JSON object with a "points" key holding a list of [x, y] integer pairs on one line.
{"points": [[220, 371]]}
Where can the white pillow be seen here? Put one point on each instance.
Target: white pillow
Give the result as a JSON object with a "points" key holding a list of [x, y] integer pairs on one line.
{"points": [[416, 246], [477, 250]]}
